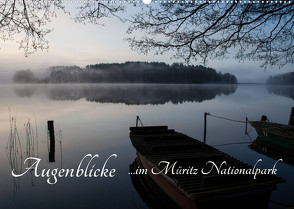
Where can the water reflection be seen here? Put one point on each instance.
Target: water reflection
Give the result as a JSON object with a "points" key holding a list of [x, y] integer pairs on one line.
{"points": [[131, 94], [272, 150], [25, 91], [151, 194], [285, 91]]}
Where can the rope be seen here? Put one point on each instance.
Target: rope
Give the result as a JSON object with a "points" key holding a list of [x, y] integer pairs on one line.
{"points": [[238, 121]]}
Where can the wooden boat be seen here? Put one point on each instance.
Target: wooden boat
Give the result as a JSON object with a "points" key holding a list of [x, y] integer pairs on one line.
{"points": [[157, 144], [275, 140], [275, 134]]}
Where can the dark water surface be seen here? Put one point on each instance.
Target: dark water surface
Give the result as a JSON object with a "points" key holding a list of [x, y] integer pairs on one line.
{"points": [[95, 119]]}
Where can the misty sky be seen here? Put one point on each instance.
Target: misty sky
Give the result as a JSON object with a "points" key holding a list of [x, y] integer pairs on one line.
{"points": [[77, 44]]}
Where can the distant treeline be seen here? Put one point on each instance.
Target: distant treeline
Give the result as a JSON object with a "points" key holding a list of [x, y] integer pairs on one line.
{"points": [[129, 72], [286, 78]]}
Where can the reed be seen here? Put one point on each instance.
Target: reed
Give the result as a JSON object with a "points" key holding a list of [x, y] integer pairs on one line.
{"points": [[14, 152], [32, 149]]}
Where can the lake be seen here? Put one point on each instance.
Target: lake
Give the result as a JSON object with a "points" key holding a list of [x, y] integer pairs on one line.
{"points": [[95, 119]]}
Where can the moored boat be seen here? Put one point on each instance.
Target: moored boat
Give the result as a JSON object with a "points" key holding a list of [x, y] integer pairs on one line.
{"points": [[281, 132], [158, 146], [275, 136]]}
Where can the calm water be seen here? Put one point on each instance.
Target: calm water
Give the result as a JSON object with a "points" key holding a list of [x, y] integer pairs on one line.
{"points": [[95, 119]]}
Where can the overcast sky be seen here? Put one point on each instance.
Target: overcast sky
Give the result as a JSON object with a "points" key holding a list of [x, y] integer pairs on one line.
{"points": [[77, 44]]}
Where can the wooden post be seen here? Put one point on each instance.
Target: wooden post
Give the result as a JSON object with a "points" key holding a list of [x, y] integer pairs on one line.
{"points": [[291, 119], [246, 123], [52, 140], [204, 134], [263, 118]]}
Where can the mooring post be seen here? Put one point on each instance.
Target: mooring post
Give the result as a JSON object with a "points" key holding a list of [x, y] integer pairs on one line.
{"points": [[204, 134], [246, 122], [137, 119], [52, 140], [291, 119]]}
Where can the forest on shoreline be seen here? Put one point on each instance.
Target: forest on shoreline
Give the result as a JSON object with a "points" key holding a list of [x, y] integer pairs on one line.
{"points": [[285, 79], [128, 72]]}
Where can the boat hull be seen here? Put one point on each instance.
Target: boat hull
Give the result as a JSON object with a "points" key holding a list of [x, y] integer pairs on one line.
{"points": [[275, 136], [258, 198], [197, 190]]}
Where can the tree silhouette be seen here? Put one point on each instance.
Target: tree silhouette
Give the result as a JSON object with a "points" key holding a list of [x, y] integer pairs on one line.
{"points": [[255, 31], [29, 19], [94, 11], [193, 31], [24, 76], [130, 72]]}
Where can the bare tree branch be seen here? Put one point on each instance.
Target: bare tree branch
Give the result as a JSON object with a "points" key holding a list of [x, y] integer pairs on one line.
{"points": [[262, 32], [28, 19], [93, 11], [193, 31]]}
